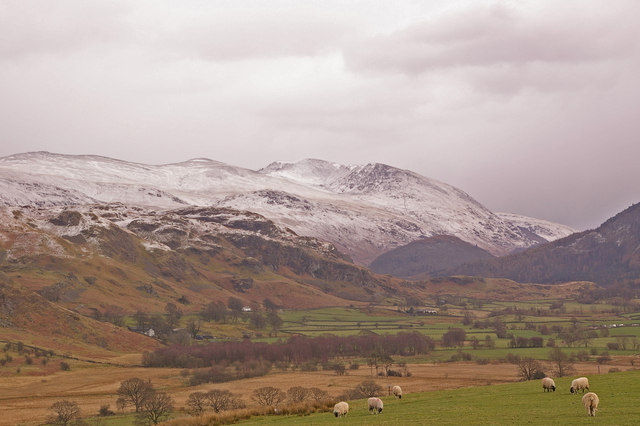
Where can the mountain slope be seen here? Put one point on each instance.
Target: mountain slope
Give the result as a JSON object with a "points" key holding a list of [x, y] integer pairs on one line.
{"points": [[426, 256], [139, 257], [606, 255], [363, 210]]}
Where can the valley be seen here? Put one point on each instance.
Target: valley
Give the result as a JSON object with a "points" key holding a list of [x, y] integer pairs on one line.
{"points": [[598, 338], [192, 285]]}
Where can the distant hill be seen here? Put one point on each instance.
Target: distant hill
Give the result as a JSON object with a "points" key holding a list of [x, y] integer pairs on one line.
{"points": [[607, 255], [428, 255]]}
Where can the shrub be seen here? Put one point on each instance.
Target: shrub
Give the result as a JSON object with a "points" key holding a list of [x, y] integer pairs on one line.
{"points": [[309, 366], [603, 358], [105, 411], [339, 369], [64, 366], [583, 356], [368, 388], [539, 375]]}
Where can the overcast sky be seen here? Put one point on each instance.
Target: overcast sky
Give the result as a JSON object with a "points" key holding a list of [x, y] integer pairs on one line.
{"points": [[531, 107]]}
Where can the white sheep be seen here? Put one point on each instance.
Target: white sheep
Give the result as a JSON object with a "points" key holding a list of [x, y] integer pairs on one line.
{"points": [[579, 383], [341, 409], [548, 384], [397, 391], [590, 401], [375, 405]]}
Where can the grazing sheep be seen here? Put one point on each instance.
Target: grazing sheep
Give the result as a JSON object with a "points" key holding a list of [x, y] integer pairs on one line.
{"points": [[548, 385], [341, 409], [397, 391], [590, 401], [579, 383], [375, 405]]}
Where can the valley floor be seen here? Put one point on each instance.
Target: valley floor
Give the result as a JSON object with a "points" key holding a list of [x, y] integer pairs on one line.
{"points": [[26, 399]]}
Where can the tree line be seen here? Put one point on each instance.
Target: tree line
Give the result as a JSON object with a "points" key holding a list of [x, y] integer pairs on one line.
{"points": [[295, 350]]}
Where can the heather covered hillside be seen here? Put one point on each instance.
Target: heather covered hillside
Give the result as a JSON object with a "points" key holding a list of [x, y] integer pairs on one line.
{"points": [[606, 255], [64, 268], [427, 256]]}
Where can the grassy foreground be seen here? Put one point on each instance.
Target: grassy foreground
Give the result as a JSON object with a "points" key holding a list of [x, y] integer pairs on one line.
{"points": [[515, 404]]}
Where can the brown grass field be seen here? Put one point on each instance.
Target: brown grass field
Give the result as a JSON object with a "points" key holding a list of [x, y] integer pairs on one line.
{"points": [[26, 399]]}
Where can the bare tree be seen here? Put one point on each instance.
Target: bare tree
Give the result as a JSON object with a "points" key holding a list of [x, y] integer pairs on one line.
{"points": [[387, 362], [318, 394], [215, 311], [372, 361], [156, 406], [142, 320], [235, 306], [528, 368], [134, 392], [197, 403], [65, 411], [193, 327], [268, 395], [115, 315], [220, 400], [298, 394], [275, 322], [454, 337], [561, 362], [173, 314], [368, 388]]}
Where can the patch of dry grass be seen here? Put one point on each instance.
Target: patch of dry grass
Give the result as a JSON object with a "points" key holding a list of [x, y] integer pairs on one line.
{"points": [[234, 416]]}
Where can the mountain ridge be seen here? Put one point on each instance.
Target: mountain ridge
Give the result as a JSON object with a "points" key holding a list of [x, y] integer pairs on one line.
{"points": [[364, 210]]}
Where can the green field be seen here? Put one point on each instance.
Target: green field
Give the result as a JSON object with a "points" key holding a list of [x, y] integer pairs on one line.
{"points": [[514, 404]]}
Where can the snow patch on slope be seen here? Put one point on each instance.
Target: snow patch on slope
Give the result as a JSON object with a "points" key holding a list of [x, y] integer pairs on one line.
{"points": [[550, 231]]}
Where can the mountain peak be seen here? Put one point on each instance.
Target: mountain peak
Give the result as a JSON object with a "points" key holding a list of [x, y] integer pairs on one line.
{"points": [[309, 171]]}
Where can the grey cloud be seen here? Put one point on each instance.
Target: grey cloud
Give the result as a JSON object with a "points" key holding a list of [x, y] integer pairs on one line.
{"points": [[529, 109], [492, 37], [32, 27], [246, 35]]}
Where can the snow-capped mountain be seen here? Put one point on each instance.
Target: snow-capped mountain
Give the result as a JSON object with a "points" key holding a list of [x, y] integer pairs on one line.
{"points": [[364, 210]]}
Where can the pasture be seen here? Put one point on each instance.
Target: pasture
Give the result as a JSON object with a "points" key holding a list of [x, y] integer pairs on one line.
{"points": [[514, 403]]}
